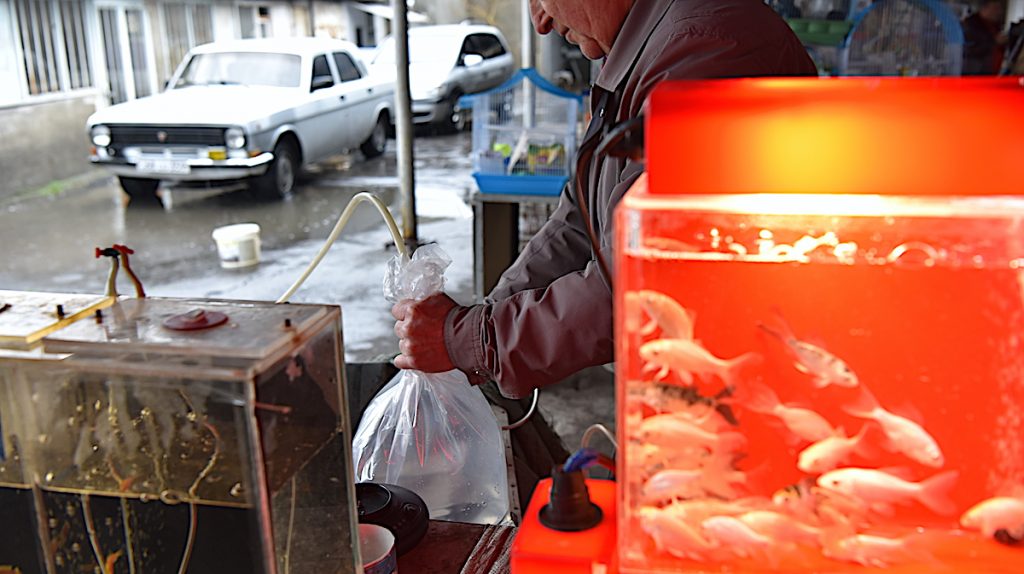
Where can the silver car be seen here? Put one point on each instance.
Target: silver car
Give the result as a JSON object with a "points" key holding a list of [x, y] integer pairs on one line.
{"points": [[252, 110], [446, 63]]}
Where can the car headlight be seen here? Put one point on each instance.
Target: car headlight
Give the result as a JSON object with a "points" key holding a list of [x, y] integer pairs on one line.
{"points": [[100, 136], [234, 138]]}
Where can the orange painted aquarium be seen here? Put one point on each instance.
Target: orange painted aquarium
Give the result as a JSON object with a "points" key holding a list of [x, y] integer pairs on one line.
{"points": [[820, 329]]}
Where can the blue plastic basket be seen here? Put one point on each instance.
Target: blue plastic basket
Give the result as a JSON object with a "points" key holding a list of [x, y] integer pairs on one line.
{"points": [[520, 184]]}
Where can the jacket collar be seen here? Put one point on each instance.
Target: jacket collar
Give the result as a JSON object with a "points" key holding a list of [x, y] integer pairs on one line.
{"points": [[643, 17]]}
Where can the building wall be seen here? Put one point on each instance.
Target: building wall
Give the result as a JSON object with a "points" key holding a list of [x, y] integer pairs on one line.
{"points": [[43, 142], [10, 76], [332, 20]]}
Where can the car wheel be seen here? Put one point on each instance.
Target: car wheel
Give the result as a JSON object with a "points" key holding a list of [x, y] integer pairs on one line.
{"points": [[457, 118], [141, 192], [378, 140], [279, 179]]}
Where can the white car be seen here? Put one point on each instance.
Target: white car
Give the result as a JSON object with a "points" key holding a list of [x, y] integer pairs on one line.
{"points": [[246, 109], [446, 63]]}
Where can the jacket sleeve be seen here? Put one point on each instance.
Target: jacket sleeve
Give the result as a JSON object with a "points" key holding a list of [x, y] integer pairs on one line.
{"points": [[539, 336], [559, 247]]}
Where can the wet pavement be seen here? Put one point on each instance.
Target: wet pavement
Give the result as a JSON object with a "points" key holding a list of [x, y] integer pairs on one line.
{"points": [[49, 246], [50, 242]]}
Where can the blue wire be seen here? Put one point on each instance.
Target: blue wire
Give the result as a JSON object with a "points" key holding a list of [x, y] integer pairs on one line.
{"points": [[581, 459]]}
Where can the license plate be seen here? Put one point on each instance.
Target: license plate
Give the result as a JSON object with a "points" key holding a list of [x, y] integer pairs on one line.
{"points": [[165, 166]]}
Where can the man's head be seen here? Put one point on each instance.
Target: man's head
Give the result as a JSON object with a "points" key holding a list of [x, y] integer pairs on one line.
{"points": [[591, 24], [992, 11]]}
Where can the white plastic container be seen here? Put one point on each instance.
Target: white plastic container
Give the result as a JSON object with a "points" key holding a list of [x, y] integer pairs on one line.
{"points": [[238, 245]]}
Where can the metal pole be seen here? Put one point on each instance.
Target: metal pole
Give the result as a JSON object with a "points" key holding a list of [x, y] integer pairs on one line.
{"points": [[529, 101], [403, 125]]}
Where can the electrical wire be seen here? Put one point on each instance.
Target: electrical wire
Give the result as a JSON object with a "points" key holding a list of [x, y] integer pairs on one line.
{"points": [[526, 417], [396, 235], [598, 428]]}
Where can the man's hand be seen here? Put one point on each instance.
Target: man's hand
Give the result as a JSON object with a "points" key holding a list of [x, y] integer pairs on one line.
{"points": [[420, 329]]}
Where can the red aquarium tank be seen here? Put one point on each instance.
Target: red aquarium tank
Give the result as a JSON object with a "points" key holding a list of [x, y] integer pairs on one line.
{"points": [[820, 329]]}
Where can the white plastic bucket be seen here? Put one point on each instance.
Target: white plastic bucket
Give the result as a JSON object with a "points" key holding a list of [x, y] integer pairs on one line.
{"points": [[238, 245]]}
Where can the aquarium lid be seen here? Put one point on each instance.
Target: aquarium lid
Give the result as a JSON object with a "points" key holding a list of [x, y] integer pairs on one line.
{"points": [[26, 316], [207, 327], [890, 136]]}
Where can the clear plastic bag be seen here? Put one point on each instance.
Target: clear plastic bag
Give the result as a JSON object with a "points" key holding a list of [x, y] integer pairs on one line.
{"points": [[433, 433]]}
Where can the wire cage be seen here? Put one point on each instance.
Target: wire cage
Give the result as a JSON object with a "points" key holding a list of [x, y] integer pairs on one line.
{"points": [[903, 38], [524, 136]]}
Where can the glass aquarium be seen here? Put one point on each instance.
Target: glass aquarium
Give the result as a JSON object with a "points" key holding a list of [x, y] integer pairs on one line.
{"points": [[164, 435], [813, 382]]}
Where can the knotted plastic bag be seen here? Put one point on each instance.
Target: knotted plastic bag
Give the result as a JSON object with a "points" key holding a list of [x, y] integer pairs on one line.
{"points": [[433, 433]]}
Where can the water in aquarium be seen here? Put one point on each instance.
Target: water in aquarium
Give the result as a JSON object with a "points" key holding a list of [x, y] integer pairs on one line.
{"points": [[805, 392]]}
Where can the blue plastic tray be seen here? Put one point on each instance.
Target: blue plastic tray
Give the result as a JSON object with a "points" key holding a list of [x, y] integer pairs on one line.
{"points": [[520, 184]]}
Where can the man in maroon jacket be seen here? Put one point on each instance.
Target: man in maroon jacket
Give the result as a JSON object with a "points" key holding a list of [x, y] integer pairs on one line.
{"points": [[551, 313]]}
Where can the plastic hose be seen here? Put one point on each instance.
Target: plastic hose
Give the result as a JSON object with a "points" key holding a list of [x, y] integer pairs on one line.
{"points": [[526, 417], [396, 235]]}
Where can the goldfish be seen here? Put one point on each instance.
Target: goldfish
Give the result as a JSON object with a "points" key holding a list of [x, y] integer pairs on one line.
{"points": [[904, 435], [111, 560], [689, 358], [809, 502], [741, 539], [670, 431], [880, 489], [671, 484], [999, 513], [675, 321], [873, 551], [673, 534], [782, 527], [826, 368], [832, 451], [804, 423]]}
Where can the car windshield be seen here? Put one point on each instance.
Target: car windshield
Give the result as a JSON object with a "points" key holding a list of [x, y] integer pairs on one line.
{"points": [[422, 48], [245, 68]]}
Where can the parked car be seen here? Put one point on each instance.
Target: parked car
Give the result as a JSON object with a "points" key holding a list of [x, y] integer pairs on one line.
{"points": [[246, 109], [446, 63]]}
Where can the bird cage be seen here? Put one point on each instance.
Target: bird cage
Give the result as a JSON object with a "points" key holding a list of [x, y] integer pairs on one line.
{"points": [[903, 38], [524, 136]]}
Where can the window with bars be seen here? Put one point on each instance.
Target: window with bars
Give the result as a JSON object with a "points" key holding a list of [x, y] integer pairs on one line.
{"points": [[185, 27], [54, 45]]}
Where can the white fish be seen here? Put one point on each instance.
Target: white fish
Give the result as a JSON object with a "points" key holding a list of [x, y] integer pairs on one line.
{"points": [[670, 431], [879, 489], [874, 551], [802, 422], [742, 540], [689, 358], [781, 527], [811, 503], [673, 534], [671, 484], [826, 368], [905, 436], [675, 321], [698, 509], [832, 451], [999, 513]]}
